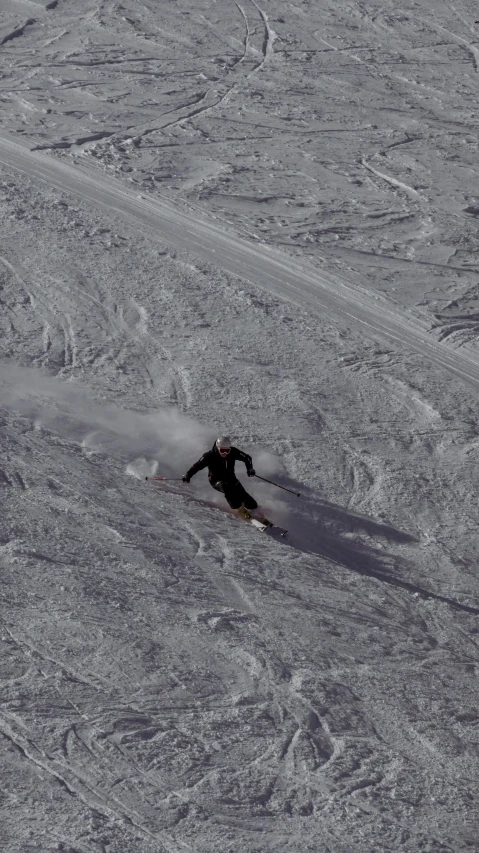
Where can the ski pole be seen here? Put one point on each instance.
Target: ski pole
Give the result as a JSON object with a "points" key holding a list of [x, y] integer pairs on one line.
{"points": [[163, 478], [278, 486]]}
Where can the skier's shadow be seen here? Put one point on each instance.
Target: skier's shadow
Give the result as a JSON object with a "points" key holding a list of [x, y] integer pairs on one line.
{"points": [[349, 521], [322, 528], [319, 527]]}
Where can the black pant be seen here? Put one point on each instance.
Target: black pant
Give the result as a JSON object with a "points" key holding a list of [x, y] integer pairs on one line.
{"points": [[235, 494]]}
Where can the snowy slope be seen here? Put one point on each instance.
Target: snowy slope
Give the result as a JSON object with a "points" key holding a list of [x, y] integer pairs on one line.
{"points": [[260, 219]]}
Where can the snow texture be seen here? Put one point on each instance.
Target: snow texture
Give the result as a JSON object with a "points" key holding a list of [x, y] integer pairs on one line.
{"points": [[259, 219]]}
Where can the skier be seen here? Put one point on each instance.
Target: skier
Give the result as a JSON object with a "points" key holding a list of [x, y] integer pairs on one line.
{"points": [[220, 461]]}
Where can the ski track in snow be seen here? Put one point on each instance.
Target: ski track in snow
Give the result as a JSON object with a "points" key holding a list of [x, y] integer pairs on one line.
{"points": [[279, 274]]}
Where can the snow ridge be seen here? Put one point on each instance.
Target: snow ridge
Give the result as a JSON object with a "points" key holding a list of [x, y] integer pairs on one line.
{"points": [[305, 286]]}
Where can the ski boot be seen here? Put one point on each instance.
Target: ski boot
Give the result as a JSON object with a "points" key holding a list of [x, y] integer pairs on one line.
{"points": [[244, 513], [258, 514]]}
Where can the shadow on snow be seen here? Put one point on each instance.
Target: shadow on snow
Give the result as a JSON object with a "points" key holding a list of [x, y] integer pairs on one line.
{"points": [[325, 534]]}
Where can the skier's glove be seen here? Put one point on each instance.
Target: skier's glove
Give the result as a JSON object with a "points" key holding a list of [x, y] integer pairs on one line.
{"points": [[251, 472], [185, 478]]}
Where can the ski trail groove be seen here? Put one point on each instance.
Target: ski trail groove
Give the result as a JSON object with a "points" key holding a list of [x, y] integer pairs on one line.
{"points": [[82, 788], [269, 36], [474, 51], [33, 651], [246, 44], [412, 193]]}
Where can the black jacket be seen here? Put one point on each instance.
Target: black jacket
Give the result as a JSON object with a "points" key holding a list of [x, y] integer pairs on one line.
{"points": [[221, 469]]}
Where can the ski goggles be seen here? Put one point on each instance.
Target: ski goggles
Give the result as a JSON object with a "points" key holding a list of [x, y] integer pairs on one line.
{"points": [[223, 451]]}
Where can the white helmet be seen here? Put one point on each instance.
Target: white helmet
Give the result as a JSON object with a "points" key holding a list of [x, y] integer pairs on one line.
{"points": [[223, 442]]}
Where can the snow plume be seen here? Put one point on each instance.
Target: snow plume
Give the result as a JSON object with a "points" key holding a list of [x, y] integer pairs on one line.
{"points": [[169, 439], [164, 442]]}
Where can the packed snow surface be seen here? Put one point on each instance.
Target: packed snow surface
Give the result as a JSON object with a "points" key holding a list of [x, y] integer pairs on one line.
{"points": [[258, 219]]}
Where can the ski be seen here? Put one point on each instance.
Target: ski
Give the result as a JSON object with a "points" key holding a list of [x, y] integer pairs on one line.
{"points": [[258, 524], [263, 524]]}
